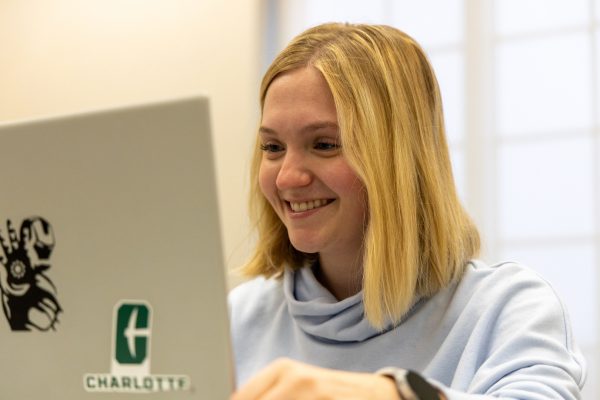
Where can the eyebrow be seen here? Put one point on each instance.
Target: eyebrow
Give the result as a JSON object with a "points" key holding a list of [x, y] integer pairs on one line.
{"points": [[315, 126]]}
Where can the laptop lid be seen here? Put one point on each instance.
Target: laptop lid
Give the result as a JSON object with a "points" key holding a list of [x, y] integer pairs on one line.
{"points": [[111, 271]]}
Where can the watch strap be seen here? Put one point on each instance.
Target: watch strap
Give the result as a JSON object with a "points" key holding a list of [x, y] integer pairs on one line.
{"points": [[410, 385]]}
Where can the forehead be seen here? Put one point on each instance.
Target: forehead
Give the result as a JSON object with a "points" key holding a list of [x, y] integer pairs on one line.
{"points": [[301, 94]]}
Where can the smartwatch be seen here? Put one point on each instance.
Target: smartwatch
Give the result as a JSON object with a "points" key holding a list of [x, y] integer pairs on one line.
{"points": [[410, 385]]}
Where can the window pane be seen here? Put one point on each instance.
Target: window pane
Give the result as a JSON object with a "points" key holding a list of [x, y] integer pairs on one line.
{"points": [[591, 384], [544, 84], [546, 189], [572, 272], [598, 70], [319, 11], [449, 69], [430, 22], [302, 14], [515, 16]]}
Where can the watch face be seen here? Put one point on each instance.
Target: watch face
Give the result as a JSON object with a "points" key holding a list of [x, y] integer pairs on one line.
{"points": [[421, 387]]}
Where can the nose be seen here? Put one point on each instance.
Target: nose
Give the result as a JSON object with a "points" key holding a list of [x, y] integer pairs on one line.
{"points": [[294, 172]]}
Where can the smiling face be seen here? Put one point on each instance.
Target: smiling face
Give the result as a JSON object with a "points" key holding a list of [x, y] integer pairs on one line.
{"points": [[303, 173]]}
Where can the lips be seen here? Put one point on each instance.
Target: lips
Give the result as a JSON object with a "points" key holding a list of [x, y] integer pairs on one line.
{"points": [[308, 205]]}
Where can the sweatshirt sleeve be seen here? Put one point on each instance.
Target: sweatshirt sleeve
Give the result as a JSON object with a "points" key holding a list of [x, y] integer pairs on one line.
{"points": [[521, 344]]}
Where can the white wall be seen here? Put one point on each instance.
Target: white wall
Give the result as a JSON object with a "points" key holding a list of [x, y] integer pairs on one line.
{"points": [[61, 56]]}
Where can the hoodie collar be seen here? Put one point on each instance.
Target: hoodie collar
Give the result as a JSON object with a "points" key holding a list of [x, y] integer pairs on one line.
{"points": [[319, 314]]}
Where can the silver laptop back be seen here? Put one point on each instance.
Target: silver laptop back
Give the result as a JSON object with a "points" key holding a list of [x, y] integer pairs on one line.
{"points": [[111, 271]]}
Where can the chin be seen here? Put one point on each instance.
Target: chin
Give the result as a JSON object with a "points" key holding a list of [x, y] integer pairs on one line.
{"points": [[305, 246]]}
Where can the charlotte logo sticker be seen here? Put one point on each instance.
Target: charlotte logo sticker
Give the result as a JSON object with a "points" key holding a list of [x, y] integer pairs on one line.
{"points": [[132, 335], [28, 295], [130, 363]]}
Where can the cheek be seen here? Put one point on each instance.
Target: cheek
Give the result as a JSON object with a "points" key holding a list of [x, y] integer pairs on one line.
{"points": [[345, 181], [349, 186], [266, 181]]}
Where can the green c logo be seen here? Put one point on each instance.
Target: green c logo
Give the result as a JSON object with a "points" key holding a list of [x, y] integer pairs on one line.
{"points": [[132, 333]]}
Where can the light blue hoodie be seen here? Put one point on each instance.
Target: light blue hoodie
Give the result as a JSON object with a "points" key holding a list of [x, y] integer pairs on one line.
{"points": [[501, 331]]}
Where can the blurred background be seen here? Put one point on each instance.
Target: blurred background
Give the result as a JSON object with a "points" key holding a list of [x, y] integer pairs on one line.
{"points": [[520, 81]]}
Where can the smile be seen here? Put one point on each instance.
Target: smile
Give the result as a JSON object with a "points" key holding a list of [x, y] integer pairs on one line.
{"points": [[308, 205]]}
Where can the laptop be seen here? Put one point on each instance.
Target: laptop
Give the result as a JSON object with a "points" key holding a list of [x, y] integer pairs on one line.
{"points": [[111, 272]]}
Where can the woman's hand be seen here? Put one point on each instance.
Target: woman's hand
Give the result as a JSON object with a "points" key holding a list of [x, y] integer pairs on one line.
{"points": [[291, 380]]}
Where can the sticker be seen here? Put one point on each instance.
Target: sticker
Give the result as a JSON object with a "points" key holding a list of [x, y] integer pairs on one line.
{"points": [[130, 361], [28, 295]]}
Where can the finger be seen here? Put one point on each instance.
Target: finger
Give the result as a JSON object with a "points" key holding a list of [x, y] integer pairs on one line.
{"points": [[51, 305], [45, 308], [43, 315], [262, 382], [284, 391], [44, 283], [12, 235], [39, 318], [298, 386], [5, 245]]}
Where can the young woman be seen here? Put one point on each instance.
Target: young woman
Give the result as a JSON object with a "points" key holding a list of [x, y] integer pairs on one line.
{"points": [[364, 267]]}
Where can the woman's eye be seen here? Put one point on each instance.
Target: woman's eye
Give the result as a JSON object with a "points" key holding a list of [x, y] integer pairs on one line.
{"points": [[271, 147], [326, 145]]}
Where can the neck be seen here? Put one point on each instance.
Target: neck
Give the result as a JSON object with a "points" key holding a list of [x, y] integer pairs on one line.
{"points": [[341, 279]]}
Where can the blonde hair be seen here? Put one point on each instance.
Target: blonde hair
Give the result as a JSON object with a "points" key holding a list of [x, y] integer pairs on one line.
{"points": [[419, 238]]}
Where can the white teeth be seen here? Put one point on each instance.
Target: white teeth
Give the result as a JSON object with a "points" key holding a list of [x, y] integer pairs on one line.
{"points": [[308, 205]]}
